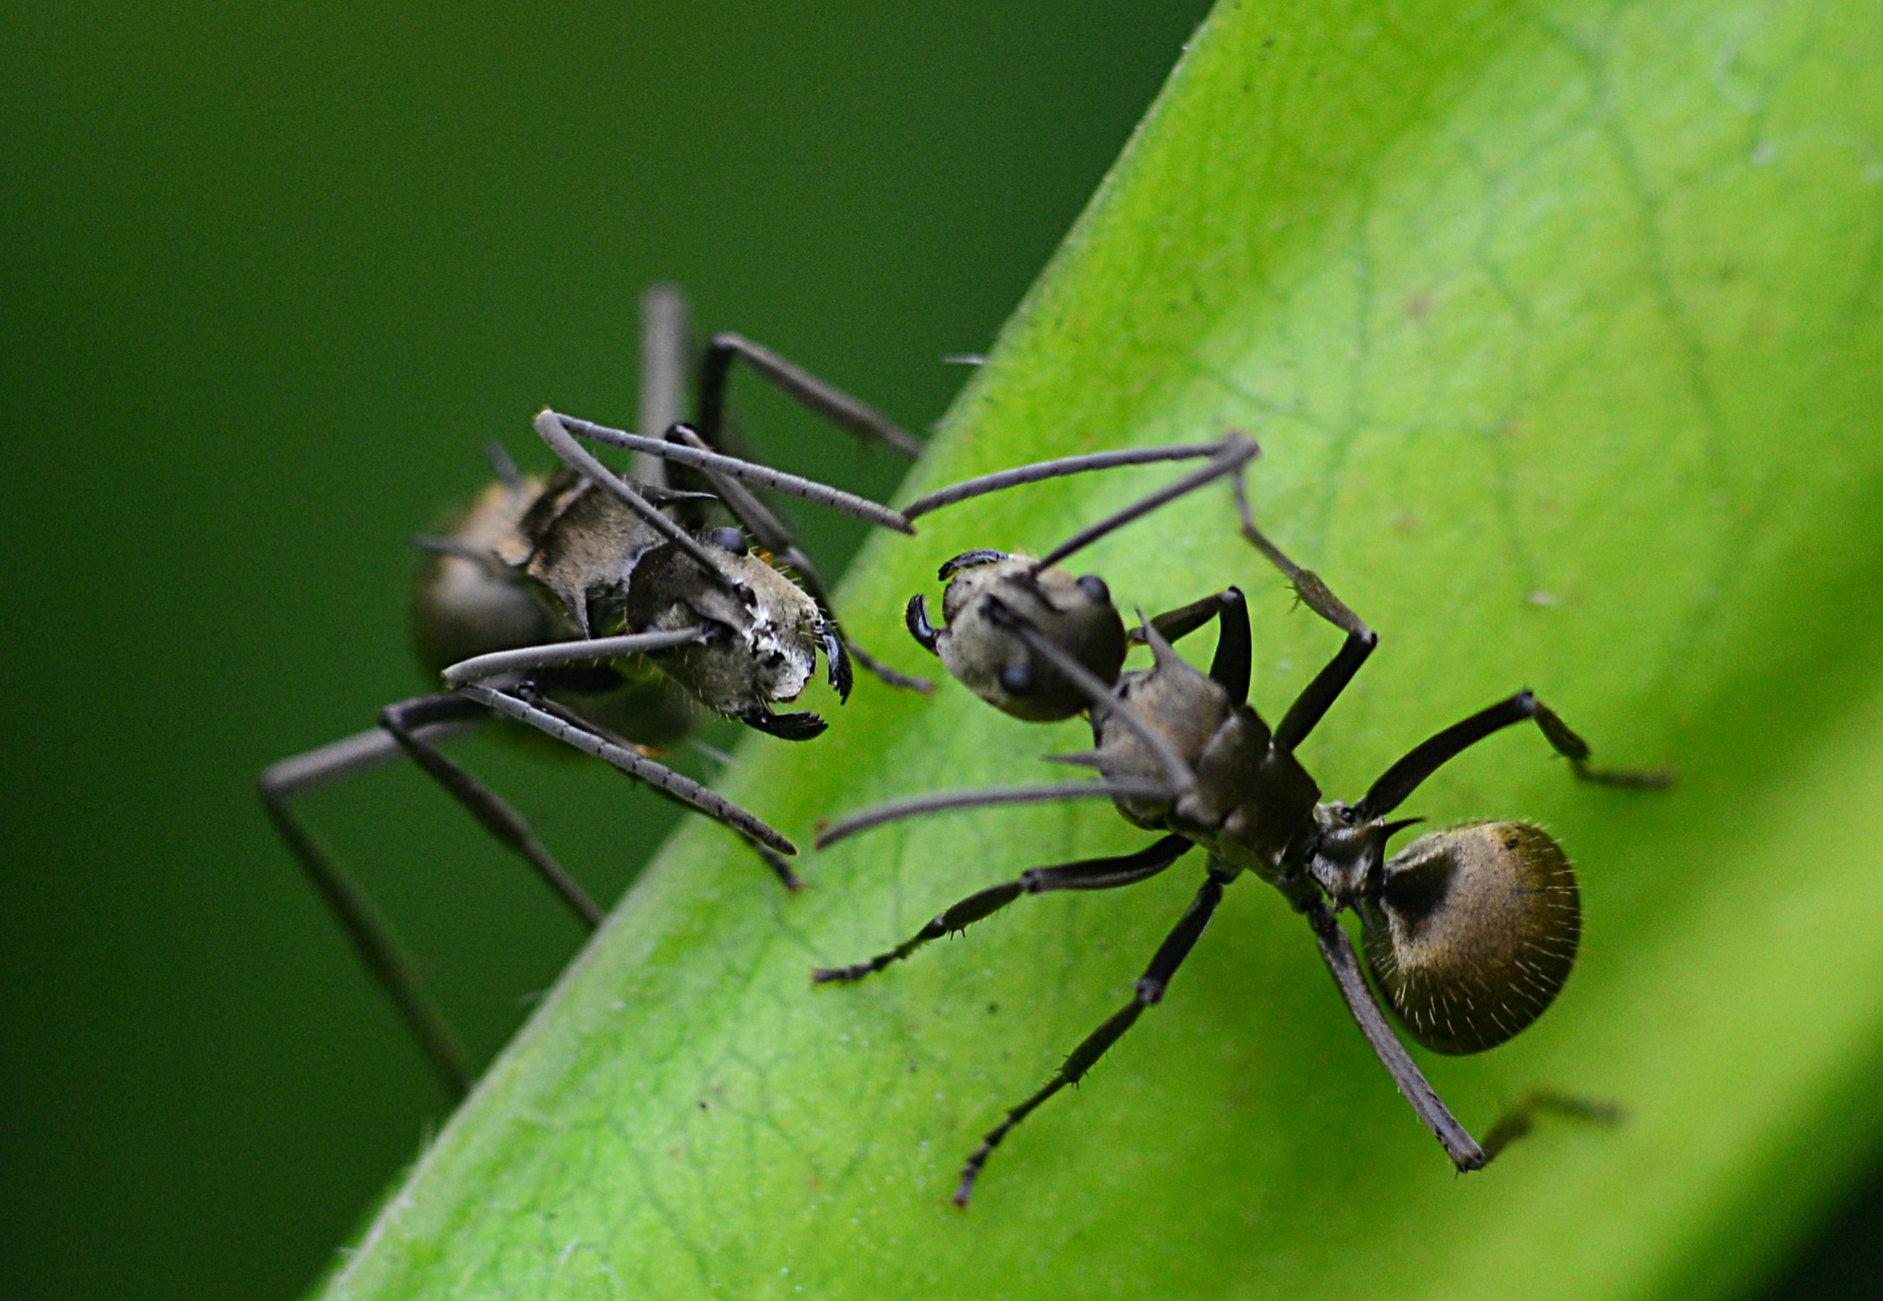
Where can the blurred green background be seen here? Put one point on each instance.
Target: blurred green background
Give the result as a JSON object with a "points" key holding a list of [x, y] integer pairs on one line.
{"points": [[271, 280]]}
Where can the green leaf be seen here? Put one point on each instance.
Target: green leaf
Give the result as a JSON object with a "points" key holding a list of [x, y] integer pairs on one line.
{"points": [[1558, 326]]}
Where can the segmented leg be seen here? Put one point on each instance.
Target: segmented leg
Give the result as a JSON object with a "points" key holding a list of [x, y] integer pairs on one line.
{"points": [[1087, 874], [1150, 991], [366, 929], [509, 827], [795, 382], [1405, 776]]}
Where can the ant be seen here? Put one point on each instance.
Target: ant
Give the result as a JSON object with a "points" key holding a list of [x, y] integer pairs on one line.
{"points": [[509, 602], [1470, 931]]}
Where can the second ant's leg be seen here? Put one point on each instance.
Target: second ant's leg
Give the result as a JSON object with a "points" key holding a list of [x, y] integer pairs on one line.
{"points": [[1174, 625], [1466, 1153], [503, 822], [1404, 777], [1150, 991], [371, 936], [791, 379], [1235, 648], [1087, 874], [1320, 694], [1342, 963]]}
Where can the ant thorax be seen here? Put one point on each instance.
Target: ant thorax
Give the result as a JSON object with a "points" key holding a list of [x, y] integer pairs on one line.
{"points": [[983, 652], [1251, 796], [581, 545]]}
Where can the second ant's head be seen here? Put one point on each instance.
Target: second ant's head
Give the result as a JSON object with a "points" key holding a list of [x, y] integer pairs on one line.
{"points": [[983, 649], [979, 646]]}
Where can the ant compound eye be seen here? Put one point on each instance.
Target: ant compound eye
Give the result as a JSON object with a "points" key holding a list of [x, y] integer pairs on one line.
{"points": [[1016, 679], [1095, 590], [1473, 932], [1348, 815], [730, 539]]}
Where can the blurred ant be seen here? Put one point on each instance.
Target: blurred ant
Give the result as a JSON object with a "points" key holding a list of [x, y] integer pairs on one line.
{"points": [[1469, 931], [510, 601], [505, 608]]}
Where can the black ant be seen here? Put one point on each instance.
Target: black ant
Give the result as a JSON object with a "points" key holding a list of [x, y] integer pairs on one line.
{"points": [[1469, 931], [508, 605]]}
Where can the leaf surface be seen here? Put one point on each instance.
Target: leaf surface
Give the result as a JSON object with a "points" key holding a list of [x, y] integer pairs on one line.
{"points": [[1558, 326]]}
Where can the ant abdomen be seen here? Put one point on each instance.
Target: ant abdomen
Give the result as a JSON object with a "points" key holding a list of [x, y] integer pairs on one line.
{"points": [[1472, 932]]}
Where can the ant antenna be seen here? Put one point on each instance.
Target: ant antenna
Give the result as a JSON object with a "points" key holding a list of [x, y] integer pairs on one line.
{"points": [[915, 806], [1235, 451], [733, 468], [1042, 470]]}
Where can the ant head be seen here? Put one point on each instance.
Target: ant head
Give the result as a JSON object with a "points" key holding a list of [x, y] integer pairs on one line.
{"points": [[1471, 932], [987, 593], [765, 631]]}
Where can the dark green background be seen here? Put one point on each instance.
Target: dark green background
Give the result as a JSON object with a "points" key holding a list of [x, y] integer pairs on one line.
{"points": [[270, 280]]}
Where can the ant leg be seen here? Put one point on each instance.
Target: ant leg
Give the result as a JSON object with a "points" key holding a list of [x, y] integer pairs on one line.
{"points": [[1466, 1153], [1320, 694], [372, 938], [795, 382], [505, 468], [1150, 990], [771, 857], [1087, 874], [1521, 1119], [942, 801], [595, 650], [1235, 647], [1235, 451], [1404, 777], [1175, 625], [1337, 952], [581, 734], [508, 826], [771, 533], [666, 344]]}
